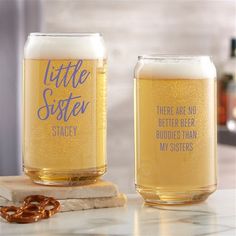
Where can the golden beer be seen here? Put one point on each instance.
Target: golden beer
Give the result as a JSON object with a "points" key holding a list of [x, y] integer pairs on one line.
{"points": [[175, 129], [64, 139]]}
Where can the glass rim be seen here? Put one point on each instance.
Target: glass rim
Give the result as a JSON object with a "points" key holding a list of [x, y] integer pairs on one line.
{"points": [[72, 34], [175, 57]]}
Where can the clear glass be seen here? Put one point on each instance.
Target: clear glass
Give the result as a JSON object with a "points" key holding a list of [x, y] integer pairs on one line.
{"points": [[64, 108], [175, 128]]}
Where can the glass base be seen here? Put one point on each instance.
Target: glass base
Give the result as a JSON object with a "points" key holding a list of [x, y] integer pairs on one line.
{"points": [[47, 176], [164, 196]]}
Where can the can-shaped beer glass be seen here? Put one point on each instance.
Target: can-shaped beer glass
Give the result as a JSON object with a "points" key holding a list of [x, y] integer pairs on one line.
{"points": [[175, 128], [64, 134]]}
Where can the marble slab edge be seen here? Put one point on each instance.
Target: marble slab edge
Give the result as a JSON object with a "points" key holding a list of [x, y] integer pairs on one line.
{"points": [[81, 204]]}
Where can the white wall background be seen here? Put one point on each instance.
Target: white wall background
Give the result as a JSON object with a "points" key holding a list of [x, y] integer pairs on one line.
{"points": [[17, 19], [131, 28]]}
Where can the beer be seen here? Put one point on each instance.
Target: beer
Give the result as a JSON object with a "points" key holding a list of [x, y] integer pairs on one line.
{"points": [[175, 129], [64, 108]]}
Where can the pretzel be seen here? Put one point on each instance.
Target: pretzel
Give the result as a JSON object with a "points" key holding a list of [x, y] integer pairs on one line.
{"points": [[21, 215], [34, 198], [34, 208], [44, 202], [55, 207]]}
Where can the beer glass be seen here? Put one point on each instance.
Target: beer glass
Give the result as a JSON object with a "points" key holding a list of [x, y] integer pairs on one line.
{"points": [[64, 140], [175, 128]]}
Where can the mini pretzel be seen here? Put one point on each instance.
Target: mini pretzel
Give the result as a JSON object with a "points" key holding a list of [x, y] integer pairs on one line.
{"points": [[50, 202], [5, 212], [32, 210], [34, 198], [44, 202]]}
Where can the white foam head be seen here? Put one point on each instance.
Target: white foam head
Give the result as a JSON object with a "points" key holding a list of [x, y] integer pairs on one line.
{"points": [[175, 67], [64, 46]]}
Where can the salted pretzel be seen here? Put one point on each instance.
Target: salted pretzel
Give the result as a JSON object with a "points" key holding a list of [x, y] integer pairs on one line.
{"points": [[44, 203], [34, 208], [19, 215]]}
